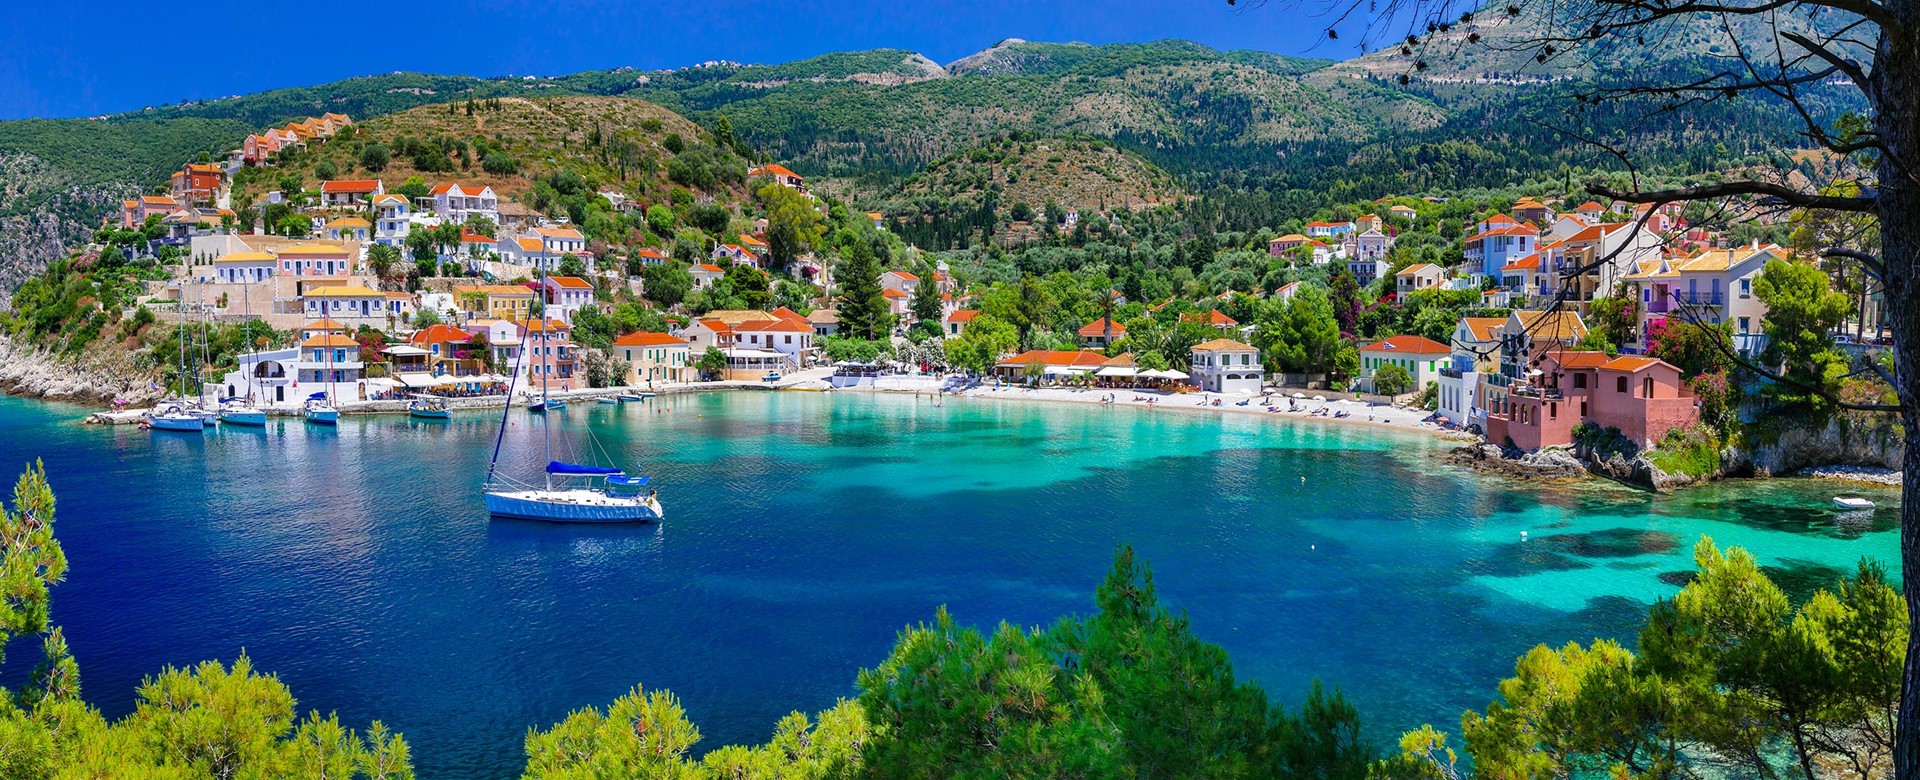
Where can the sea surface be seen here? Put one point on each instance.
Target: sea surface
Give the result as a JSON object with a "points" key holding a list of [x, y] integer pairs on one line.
{"points": [[804, 531]]}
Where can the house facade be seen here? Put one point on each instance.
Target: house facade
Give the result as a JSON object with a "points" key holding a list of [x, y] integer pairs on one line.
{"points": [[457, 204], [654, 357], [1422, 358], [1227, 366], [1642, 397]]}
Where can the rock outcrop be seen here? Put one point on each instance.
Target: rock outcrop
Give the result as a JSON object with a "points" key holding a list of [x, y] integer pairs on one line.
{"points": [[100, 374], [1847, 439]]}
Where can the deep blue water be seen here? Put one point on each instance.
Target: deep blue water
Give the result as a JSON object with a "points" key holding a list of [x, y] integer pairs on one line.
{"points": [[804, 531]]}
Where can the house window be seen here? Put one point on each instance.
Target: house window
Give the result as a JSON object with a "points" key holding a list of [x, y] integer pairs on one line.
{"points": [[1579, 381], [1583, 408], [1553, 411], [1620, 385]]}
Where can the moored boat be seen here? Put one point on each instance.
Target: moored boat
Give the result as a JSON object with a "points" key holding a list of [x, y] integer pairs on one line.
{"points": [[239, 411], [607, 400], [1852, 502], [319, 411], [172, 417], [429, 407]]}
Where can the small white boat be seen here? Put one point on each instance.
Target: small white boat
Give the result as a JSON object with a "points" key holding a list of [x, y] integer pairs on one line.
{"points": [[319, 412], [607, 400], [172, 417], [631, 397], [238, 411], [429, 407], [1852, 502]]}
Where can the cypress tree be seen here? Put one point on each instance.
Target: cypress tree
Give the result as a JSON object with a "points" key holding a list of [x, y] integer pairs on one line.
{"points": [[861, 304]]}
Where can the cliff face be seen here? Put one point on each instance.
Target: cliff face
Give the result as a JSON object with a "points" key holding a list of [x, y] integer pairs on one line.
{"points": [[99, 374], [1848, 439]]}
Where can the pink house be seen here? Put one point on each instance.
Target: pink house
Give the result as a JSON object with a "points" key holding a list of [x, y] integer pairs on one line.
{"points": [[1643, 397], [552, 357]]}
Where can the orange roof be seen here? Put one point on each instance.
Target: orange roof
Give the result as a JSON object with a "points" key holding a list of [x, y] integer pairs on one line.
{"points": [[545, 324], [329, 340], [1222, 345], [1581, 358], [645, 339], [1510, 230], [750, 241], [440, 334], [158, 200], [1482, 327], [710, 267], [528, 244], [567, 233], [788, 314], [350, 186], [571, 282], [782, 326], [1047, 357], [458, 190], [1631, 363], [651, 252], [1099, 328], [891, 293], [1212, 317], [1529, 263], [1408, 344], [717, 326], [963, 315], [1500, 219], [323, 325], [1590, 206], [470, 237], [773, 169], [904, 275]]}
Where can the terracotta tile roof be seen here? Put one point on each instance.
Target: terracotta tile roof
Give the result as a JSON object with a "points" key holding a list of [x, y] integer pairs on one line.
{"points": [[650, 252], [773, 169], [892, 293], [570, 282], [1080, 358], [529, 244], [350, 186], [777, 326], [1529, 263], [1408, 344], [1294, 238], [1417, 268], [345, 223], [1631, 363], [709, 267], [646, 339], [1222, 345], [1510, 230], [324, 324], [1099, 328], [904, 275], [470, 237], [329, 340], [1558, 325], [1211, 317], [313, 249], [788, 314], [963, 315], [565, 233], [1581, 358], [245, 257], [545, 325], [455, 189], [1483, 328], [1590, 206]]}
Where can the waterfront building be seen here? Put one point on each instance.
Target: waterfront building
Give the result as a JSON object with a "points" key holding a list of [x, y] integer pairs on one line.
{"points": [[1227, 366]]}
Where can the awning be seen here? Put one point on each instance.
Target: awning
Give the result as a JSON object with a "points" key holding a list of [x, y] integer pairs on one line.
{"points": [[1174, 374], [406, 351], [416, 380], [1118, 371], [755, 354]]}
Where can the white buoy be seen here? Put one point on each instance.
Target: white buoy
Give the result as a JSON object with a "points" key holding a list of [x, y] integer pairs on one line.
{"points": [[1523, 534]]}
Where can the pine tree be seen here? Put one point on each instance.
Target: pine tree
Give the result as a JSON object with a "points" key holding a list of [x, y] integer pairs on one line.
{"points": [[861, 304], [926, 298]]}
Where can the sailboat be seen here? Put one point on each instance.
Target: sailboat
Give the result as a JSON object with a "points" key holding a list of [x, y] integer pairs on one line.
{"points": [[241, 411], [618, 499], [175, 415], [319, 408]]}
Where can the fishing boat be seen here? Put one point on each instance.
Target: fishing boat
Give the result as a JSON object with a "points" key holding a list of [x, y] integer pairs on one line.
{"points": [[174, 417], [429, 407], [554, 403], [240, 411], [618, 498], [319, 411]]}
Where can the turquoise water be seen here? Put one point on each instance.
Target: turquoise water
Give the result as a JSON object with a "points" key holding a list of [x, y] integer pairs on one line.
{"points": [[804, 530]]}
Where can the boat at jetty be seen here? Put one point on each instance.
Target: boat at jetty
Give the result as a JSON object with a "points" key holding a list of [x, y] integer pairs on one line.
{"points": [[240, 411], [429, 407], [174, 417], [319, 411]]}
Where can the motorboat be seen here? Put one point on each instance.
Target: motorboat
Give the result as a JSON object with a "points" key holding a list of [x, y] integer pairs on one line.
{"points": [[607, 400], [1852, 502], [429, 407]]}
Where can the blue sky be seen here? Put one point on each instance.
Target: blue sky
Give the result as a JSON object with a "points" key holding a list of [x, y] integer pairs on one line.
{"points": [[62, 59]]}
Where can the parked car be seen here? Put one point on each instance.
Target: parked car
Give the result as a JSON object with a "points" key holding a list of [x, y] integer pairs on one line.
{"points": [[772, 376]]}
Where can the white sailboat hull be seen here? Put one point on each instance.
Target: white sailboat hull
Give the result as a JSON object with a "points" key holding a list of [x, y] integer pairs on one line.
{"points": [[323, 416], [572, 506], [177, 422], [244, 417]]}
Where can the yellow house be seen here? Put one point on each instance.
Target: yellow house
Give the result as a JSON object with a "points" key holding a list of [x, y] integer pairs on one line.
{"points": [[496, 301]]}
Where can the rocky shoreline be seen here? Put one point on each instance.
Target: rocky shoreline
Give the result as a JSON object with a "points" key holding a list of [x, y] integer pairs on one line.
{"points": [[98, 375], [1871, 475]]}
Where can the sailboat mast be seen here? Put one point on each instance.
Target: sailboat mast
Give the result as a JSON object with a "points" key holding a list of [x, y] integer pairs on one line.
{"points": [[546, 365]]}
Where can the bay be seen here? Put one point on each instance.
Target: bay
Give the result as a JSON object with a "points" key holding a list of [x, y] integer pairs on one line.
{"points": [[804, 530]]}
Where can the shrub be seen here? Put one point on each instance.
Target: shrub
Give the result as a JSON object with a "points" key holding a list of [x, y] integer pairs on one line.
{"points": [[1693, 451]]}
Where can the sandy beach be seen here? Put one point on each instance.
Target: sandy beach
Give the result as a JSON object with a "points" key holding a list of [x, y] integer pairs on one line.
{"points": [[1355, 412]]}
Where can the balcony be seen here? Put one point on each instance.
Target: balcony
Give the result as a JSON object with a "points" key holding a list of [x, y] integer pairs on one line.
{"points": [[1536, 391], [1700, 298], [1659, 306]]}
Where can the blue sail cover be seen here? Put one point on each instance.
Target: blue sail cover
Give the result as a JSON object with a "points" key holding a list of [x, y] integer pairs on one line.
{"points": [[556, 467], [317, 397]]}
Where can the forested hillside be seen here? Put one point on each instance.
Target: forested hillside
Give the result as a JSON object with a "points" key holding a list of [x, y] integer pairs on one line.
{"points": [[1459, 112]]}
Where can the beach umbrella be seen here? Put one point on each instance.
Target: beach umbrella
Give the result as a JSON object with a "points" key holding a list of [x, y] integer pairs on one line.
{"points": [[1319, 398], [1300, 395], [1172, 373]]}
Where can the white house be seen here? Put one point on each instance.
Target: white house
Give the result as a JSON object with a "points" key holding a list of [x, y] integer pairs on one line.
{"points": [[328, 358], [787, 337], [1422, 358], [705, 274], [262, 376], [1228, 366], [455, 203], [391, 215], [245, 267], [566, 295], [350, 193]]}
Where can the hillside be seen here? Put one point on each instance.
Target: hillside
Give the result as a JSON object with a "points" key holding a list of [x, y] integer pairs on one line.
{"points": [[621, 142], [1071, 173]]}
